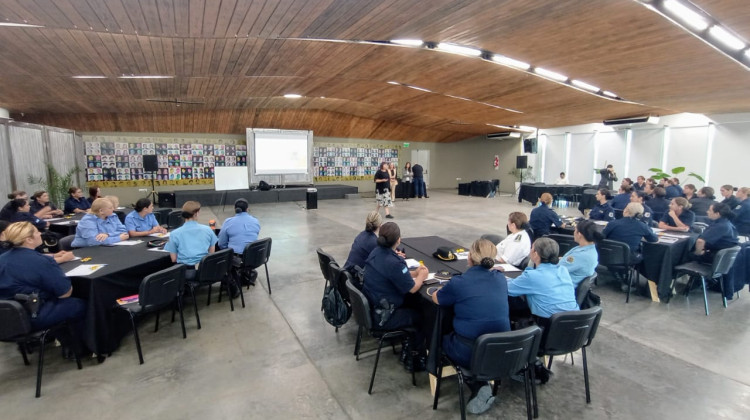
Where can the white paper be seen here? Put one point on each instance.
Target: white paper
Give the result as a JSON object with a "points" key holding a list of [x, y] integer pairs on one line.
{"points": [[462, 255], [160, 235], [600, 222], [127, 243], [84, 270], [411, 263], [673, 235], [657, 230], [507, 267], [158, 250], [54, 219], [668, 239]]}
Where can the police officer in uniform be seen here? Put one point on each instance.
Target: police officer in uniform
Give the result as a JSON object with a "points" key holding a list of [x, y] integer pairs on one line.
{"points": [[720, 234], [602, 211], [648, 215], [517, 245], [630, 230], [364, 243], [581, 261], [742, 212], [622, 198], [679, 218], [543, 217]]}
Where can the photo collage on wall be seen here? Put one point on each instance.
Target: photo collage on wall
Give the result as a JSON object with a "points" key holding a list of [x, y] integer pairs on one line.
{"points": [[178, 163], [337, 163]]}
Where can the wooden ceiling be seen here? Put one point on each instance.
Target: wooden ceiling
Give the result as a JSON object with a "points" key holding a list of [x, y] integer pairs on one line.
{"points": [[240, 57]]}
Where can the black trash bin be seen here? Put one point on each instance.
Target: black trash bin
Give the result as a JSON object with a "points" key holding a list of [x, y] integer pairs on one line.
{"points": [[312, 198]]}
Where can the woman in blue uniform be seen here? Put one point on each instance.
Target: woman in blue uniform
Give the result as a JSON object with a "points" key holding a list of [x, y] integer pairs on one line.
{"points": [[240, 230], [22, 213], [679, 218], [98, 228], [648, 215], [658, 203], [480, 300], [742, 212], [720, 234], [24, 270], [622, 198], [631, 231], [602, 211], [543, 217], [76, 203], [727, 191], [388, 282], [41, 206], [581, 261], [142, 221], [700, 204], [364, 243], [192, 241]]}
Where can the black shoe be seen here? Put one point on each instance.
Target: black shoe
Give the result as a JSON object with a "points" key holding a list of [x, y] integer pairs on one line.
{"points": [[426, 196], [405, 351], [388, 216]]}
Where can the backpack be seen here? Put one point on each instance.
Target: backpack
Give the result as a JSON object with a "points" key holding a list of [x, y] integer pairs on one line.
{"points": [[335, 310]]}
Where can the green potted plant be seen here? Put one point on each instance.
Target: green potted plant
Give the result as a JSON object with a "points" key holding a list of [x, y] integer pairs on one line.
{"points": [[660, 174], [57, 185]]}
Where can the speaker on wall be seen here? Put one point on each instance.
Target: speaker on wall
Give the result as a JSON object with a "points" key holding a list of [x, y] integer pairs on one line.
{"points": [[521, 162], [150, 163], [529, 145]]}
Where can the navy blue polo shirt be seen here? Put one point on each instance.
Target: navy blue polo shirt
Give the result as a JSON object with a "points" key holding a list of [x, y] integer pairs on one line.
{"points": [[700, 205], [541, 220], [24, 216], [648, 215], [603, 212], [720, 234], [673, 191], [630, 231], [386, 277], [687, 217], [71, 204], [36, 206], [639, 187], [363, 245], [742, 217], [732, 202], [24, 270], [620, 201]]}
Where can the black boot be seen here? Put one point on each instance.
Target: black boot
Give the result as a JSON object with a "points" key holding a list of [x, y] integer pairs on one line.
{"points": [[405, 351]]}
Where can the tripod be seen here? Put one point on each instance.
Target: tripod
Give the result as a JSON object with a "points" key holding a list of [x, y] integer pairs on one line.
{"points": [[153, 195]]}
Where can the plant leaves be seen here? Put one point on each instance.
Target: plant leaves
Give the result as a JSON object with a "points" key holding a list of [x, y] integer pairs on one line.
{"points": [[653, 170], [678, 170], [696, 176]]}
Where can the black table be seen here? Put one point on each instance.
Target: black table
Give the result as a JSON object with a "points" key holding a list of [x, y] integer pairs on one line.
{"points": [[532, 192], [68, 224], [126, 267]]}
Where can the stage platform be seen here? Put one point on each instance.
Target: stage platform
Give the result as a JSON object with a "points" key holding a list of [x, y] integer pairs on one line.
{"points": [[214, 198]]}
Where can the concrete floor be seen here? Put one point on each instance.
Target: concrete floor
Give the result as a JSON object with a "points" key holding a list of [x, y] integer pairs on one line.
{"points": [[278, 358]]}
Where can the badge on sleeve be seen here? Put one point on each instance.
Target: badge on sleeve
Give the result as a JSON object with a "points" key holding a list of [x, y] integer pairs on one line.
{"points": [[570, 259], [647, 215], [517, 238], [611, 214], [405, 270]]}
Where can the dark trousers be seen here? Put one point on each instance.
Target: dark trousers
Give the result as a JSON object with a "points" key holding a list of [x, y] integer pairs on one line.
{"points": [[72, 310], [419, 187]]}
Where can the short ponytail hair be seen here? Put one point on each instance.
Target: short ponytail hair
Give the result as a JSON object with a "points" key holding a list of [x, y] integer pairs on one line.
{"points": [[388, 234]]}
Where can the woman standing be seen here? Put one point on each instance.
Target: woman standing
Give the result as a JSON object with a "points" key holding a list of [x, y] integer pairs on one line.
{"points": [[382, 190], [406, 179], [393, 179]]}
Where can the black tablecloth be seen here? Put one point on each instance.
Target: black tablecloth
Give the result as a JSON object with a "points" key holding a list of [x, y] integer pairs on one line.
{"points": [[67, 226], [401, 190], [126, 267], [532, 192]]}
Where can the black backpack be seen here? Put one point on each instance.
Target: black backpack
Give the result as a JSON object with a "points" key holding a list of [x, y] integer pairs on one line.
{"points": [[335, 310]]}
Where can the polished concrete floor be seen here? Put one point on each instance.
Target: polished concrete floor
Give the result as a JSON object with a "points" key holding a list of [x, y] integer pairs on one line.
{"points": [[278, 358]]}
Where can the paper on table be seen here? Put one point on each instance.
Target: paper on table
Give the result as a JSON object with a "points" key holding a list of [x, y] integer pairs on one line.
{"points": [[668, 239], [411, 263], [158, 250], [657, 230], [160, 235], [84, 270], [128, 243], [507, 267], [55, 219], [673, 235], [462, 255]]}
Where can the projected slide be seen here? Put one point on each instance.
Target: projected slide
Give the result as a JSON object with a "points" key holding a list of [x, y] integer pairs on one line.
{"points": [[281, 153]]}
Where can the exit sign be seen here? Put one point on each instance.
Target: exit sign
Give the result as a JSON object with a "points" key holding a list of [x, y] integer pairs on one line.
{"points": [[406, 145]]}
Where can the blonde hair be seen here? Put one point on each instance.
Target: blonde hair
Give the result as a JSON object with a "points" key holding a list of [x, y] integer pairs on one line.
{"points": [[483, 253], [633, 209], [682, 202], [546, 198], [99, 204], [17, 233], [113, 199], [373, 221]]}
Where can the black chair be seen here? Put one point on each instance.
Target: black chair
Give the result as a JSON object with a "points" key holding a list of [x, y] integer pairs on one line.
{"points": [[698, 227], [565, 242], [616, 256], [325, 260], [618, 214], [583, 288], [174, 219], [15, 327], [723, 262], [339, 277], [212, 268], [524, 263], [568, 332], [66, 242], [361, 311], [256, 254], [156, 292], [497, 356], [495, 239], [120, 215]]}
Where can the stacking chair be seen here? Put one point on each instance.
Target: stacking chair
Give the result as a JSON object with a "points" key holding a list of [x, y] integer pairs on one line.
{"points": [[698, 227], [497, 356], [212, 268], [120, 215], [66, 243], [583, 288], [339, 277], [174, 219], [568, 332], [495, 239], [325, 260], [617, 258], [361, 311], [157, 291], [256, 254], [723, 262], [15, 327], [565, 242]]}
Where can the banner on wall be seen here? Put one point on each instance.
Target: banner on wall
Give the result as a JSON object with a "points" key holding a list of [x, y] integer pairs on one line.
{"points": [[333, 162]]}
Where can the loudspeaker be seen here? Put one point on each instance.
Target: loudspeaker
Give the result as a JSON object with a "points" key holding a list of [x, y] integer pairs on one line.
{"points": [[529, 146], [166, 200], [150, 164], [521, 162]]}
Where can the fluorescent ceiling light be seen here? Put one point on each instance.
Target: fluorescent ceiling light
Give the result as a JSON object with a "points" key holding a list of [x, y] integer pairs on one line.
{"points": [[20, 25], [394, 83], [292, 96], [584, 85], [89, 77], [510, 62], [686, 15], [550, 74], [133, 76], [459, 49], [418, 88], [610, 94], [526, 128], [409, 42], [723, 36], [515, 134]]}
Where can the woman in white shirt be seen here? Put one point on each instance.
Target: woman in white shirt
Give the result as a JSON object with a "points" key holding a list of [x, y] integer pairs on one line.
{"points": [[563, 180], [516, 247]]}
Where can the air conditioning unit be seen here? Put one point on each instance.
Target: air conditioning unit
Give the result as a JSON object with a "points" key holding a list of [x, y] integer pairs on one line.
{"points": [[650, 119], [505, 135]]}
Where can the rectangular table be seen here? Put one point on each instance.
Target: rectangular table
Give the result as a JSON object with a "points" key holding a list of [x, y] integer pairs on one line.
{"points": [[125, 267]]}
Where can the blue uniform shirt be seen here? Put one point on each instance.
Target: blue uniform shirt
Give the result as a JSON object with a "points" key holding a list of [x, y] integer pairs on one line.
{"points": [[386, 277], [541, 220], [191, 242], [648, 215], [71, 204], [24, 270], [620, 201], [639, 187], [720, 234], [660, 207], [134, 222], [581, 262], [700, 205], [630, 231], [548, 290], [687, 217], [91, 225], [731, 201], [673, 191], [238, 231], [24, 216], [742, 217], [363, 244], [36, 206], [603, 212]]}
